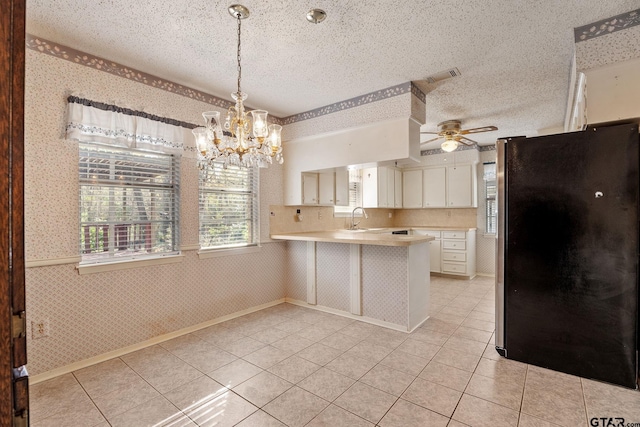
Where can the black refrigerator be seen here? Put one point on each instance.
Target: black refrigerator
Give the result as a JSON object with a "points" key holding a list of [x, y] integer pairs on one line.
{"points": [[567, 252]]}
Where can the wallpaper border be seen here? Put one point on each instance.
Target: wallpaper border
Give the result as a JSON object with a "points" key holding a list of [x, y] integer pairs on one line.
{"points": [[607, 26], [67, 53]]}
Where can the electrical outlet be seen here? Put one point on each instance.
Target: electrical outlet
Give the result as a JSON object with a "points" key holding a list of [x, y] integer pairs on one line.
{"points": [[39, 328], [319, 214], [390, 215]]}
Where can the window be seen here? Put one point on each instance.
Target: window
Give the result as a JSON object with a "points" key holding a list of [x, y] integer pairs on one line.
{"points": [[491, 206], [128, 203], [355, 193], [229, 208]]}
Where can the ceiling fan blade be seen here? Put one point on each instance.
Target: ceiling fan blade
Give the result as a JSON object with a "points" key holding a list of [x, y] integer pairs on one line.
{"points": [[432, 133], [430, 140], [466, 141], [478, 130]]}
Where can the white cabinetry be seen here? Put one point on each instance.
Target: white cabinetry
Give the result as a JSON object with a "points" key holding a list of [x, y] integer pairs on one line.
{"points": [[434, 194], [397, 199], [342, 188], [309, 188], [378, 187], [326, 188], [440, 187], [412, 188], [435, 250], [461, 186], [459, 253]]}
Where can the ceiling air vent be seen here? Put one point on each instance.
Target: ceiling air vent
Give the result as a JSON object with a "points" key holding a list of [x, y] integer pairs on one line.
{"points": [[443, 75]]}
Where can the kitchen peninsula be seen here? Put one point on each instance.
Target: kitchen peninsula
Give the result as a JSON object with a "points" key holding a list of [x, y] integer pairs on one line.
{"points": [[372, 275]]}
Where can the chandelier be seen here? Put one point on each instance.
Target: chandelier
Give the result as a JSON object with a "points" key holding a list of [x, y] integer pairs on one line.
{"points": [[241, 140]]}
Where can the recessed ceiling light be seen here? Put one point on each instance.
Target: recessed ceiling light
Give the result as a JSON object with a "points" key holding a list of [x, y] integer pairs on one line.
{"points": [[316, 16]]}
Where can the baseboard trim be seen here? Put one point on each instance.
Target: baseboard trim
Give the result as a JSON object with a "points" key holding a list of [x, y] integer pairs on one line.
{"points": [[486, 275], [348, 315], [35, 379]]}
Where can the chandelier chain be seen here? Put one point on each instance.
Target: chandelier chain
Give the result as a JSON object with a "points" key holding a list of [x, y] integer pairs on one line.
{"points": [[239, 66]]}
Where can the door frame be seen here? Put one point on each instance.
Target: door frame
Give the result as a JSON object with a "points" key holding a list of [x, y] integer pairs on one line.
{"points": [[13, 395]]}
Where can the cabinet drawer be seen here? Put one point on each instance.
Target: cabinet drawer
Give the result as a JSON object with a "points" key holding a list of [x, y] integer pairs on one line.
{"points": [[454, 256], [431, 233], [460, 245], [454, 235], [449, 267]]}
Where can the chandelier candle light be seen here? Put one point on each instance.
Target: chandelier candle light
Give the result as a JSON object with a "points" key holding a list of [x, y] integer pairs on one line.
{"points": [[245, 141]]}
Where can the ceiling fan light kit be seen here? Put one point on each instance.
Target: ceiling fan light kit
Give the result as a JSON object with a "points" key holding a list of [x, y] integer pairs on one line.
{"points": [[453, 135]]}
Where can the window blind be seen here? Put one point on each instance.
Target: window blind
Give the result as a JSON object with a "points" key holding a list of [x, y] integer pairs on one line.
{"points": [[355, 193], [229, 208], [129, 203]]}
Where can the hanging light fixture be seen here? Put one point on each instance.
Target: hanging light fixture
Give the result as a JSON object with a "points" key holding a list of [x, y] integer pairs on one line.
{"points": [[245, 141]]}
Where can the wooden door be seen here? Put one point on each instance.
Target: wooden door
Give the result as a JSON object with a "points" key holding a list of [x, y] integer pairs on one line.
{"points": [[14, 400]]}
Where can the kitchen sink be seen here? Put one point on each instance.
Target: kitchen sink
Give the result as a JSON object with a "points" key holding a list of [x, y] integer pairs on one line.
{"points": [[366, 230]]}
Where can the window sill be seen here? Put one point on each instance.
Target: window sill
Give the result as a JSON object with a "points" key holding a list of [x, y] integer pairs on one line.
{"points": [[215, 253], [126, 264]]}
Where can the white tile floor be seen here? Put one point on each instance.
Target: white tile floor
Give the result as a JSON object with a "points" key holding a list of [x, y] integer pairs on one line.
{"points": [[294, 366]]}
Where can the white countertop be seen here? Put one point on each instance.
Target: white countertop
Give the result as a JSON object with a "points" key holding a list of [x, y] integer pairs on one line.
{"points": [[380, 237]]}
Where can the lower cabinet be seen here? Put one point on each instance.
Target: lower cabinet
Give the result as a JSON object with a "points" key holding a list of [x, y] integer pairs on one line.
{"points": [[435, 249], [452, 252]]}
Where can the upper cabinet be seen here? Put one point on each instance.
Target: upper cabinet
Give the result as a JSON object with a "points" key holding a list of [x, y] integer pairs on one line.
{"points": [[461, 187], [397, 183], [412, 188], [379, 187], [326, 188], [440, 187], [434, 187], [342, 187], [309, 188]]}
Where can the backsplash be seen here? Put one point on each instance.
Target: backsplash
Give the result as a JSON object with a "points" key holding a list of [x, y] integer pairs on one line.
{"points": [[456, 218], [282, 219]]}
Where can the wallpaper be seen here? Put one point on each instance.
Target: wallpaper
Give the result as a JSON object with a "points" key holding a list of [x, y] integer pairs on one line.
{"points": [[332, 275], [608, 49], [96, 313], [384, 279], [395, 107]]}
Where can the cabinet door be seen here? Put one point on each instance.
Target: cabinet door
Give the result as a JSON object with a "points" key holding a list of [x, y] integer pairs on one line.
{"points": [[435, 256], [412, 188], [398, 189], [342, 188], [370, 187], [326, 188], [391, 188], [383, 188], [434, 188], [459, 186], [309, 188]]}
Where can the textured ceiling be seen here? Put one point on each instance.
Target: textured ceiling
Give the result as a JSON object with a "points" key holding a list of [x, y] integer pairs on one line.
{"points": [[514, 55]]}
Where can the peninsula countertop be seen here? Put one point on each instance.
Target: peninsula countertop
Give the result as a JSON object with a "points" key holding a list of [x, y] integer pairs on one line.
{"points": [[379, 236]]}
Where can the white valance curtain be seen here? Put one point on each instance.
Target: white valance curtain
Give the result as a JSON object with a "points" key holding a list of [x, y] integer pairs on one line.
{"points": [[95, 122]]}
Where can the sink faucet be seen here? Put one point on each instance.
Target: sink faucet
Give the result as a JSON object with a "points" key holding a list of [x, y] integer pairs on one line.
{"points": [[354, 224]]}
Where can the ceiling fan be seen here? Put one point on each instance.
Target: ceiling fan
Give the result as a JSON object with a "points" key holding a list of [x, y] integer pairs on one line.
{"points": [[453, 135]]}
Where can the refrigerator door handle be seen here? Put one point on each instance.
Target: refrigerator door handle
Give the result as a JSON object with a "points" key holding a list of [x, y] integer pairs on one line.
{"points": [[500, 247]]}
